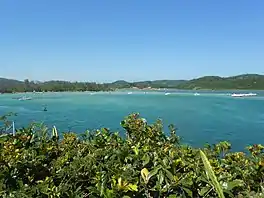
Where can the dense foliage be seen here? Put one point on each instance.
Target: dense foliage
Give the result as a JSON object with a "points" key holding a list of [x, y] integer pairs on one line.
{"points": [[10, 86], [147, 163], [250, 81]]}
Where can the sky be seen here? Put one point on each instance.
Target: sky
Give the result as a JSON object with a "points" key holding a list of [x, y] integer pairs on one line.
{"points": [[108, 40]]}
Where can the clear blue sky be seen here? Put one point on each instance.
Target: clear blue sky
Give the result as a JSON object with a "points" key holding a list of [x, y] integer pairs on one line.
{"points": [[107, 40]]}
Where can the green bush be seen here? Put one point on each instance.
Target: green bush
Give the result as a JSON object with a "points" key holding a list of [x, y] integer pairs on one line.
{"points": [[147, 163]]}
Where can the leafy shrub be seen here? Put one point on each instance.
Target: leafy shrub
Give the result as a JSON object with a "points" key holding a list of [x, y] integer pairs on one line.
{"points": [[147, 163]]}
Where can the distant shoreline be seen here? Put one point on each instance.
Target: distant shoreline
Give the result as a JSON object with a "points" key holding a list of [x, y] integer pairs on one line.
{"points": [[208, 83], [133, 89]]}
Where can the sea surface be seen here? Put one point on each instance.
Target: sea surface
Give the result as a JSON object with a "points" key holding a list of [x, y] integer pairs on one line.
{"points": [[206, 118]]}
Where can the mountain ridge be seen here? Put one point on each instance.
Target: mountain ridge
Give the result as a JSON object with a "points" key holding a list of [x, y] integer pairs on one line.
{"points": [[242, 81]]}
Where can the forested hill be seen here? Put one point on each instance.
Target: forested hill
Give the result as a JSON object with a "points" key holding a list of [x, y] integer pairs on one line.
{"points": [[247, 81], [147, 84], [159, 83], [9, 86]]}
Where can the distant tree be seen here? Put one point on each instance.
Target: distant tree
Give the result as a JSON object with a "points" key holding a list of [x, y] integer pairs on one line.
{"points": [[248, 81]]}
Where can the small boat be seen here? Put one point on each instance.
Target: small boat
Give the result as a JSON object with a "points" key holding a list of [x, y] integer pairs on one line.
{"points": [[129, 93], [197, 94], [167, 94], [251, 94], [45, 108], [243, 95], [237, 95], [25, 98]]}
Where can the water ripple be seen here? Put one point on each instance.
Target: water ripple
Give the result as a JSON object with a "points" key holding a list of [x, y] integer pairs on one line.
{"points": [[210, 117]]}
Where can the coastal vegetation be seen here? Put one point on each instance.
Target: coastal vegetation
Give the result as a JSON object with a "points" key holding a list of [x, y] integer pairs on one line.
{"points": [[247, 82], [38, 162], [10, 86]]}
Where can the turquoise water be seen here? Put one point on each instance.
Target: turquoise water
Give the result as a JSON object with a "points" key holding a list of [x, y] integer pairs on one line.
{"points": [[210, 117]]}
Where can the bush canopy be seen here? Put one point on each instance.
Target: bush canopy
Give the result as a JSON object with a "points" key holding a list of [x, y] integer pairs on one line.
{"points": [[147, 163]]}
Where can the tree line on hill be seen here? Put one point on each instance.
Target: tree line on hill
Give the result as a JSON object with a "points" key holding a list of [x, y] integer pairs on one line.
{"points": [[247, 81], [11, 86]]}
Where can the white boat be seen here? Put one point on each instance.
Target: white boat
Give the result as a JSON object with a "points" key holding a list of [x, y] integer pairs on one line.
{"points": [[25, 98], [167, 94], [129, 93], [251, 94], [197, 94], [243, 95], [237, 95]]}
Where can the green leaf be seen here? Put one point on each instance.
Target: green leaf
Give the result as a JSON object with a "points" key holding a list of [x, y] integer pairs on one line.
{"points": [[204, 190], [161, 177], [144, 174], [169, 175], [109, 193], [211, 175], [133, 187], [153, 173], [135, 149], [165, 162], [188, 191], [234, 183], [145, 159], [54, 132]]}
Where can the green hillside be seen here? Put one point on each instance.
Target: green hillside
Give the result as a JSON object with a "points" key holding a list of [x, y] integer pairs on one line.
{"points": [[120, 84], [159, 83], [7, 85], [247, 81], [146, 84]]}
